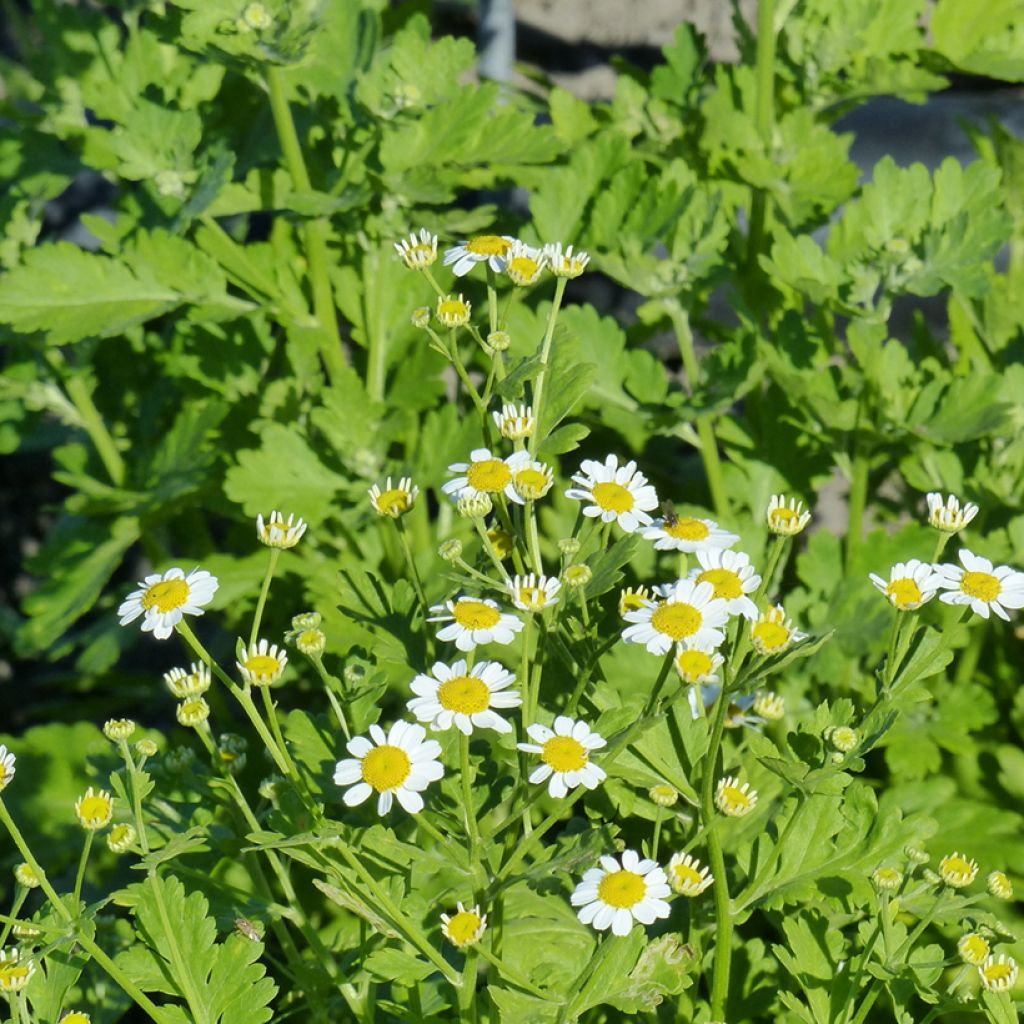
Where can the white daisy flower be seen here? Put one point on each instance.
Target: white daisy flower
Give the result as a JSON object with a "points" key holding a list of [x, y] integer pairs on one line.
{"points": [[698, 663], [465, 927], [454, 310], [490, 249], [15, 971], [910, 584], [524, 264], [164, 599], [261, 663], [515, 422], [532, 480], [688, 533], [732, 576], [773, 632], [999, 973], [689, 614], [534, 593], [277, 533], [614, 493], [687, 877], [400, 764], [981, 585], [393, 501], [474, 621], [7, 760], [464, 697], [947, 515], [418, 252], [786, 519], [565, 755], [568, 263], [733, 798], [191, 682], [485, 474], [615, 895]]}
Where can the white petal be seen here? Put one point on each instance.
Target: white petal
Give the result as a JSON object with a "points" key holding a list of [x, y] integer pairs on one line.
{"points": [[357, 794]]}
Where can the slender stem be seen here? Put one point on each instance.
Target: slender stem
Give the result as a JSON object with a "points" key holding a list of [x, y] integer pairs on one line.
{"points": [[658, 812], [545, 352], [20, 893], [492, 299], [460, 369], [765, 119], [531, 536], [82, 861], [317, 258], [874, 991], [275, 554], [857, 502], [489, 547], [509, 974], [140, 824], [659, 683], [417, 582], [466, 778], [325, 678], [182, 973], [275, 727], [723, 917], [470, 571], [94, 426]]}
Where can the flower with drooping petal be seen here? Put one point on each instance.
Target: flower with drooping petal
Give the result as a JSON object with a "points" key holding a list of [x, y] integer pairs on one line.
{"points": [[687, 877], [394, 501], [735, 799], [689, 533], [468, 698], [998, 973], [485, 474], [564, 752], [533, 593], [910, 584], [163, 600], [191, 683], [690, 613], [418, 253], [399, 764], [278, 532], [565, 263], [981, 585], [474, 621], [614, 493], [958, 871], [732, 576], [7, 769], [192, 712], [490, 249], [947, 515], [786, 519], [616, 895], [773, 632], [465, 927]]}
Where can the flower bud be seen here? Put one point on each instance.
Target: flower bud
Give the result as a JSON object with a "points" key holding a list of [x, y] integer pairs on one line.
{"points": [[121, 838], [475, 506], [118, 729], [25, 875], [499, 341], [578, 575], [663, 795], [451, 550], [193, 712]]}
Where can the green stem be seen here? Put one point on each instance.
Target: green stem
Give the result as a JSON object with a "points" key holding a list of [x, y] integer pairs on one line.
{"points": [[460, 369], [857, 502], [275, 727], [275, 554], [874, 991], [659, 683], [545, 352], [417, 582], [723, 917], [532, 538], [510, 975], [183, 974], [82, 862], [489, 548], [492, 299], [20, 893], [658, 812], [140, 825], [764, 118], [317, 257], [466, 778], [326, 678]]}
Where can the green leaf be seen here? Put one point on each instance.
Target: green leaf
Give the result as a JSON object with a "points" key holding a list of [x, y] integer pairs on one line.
{"points": [[397, 966], [982, 39]]}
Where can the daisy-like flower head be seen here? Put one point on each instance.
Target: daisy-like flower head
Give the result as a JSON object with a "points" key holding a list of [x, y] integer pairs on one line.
{"points": [[632, 599], [663, 794], [786, 518], [25, 875], [532, 480], [769, 706], [191, 683], [732, 576], [163, 600], [146, 747], [973, 948], [614, 493], [474, 621], [524, 264], [474, 506], [981, 585], [843, 738], [75, 1017], [117, 729], [999, 885], [886, 879], [192, 712], [617, 894], [465, 697], [453, 310], [568, 263], [687, 877], [397, 765], [393, 501], [690, 613], [485, 474], [698, 663], [998, 973], [958, 871], [277, 532], [565, 753], [420, 317], [735, 799], [910, 584], [773, 632], [7, 761], [15, 972], [261, 663], [515, 422], [947, 515], [688, 533], [490, 249], [94, 809], [418, 252], [121, 838], [465, 927], [577, 575], [534, 593]]}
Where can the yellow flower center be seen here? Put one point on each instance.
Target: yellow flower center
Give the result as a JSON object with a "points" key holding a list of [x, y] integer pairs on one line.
{"points": [[784, 517], [166, 595], [677, 621], [613, 498], [999, 973], [564, 754], [533, 597], [694, 665], [263, 665], [771, 635], [490, 476], [622, 889], [982, 585], [3, 775], [974, 949], [632, 602], [734, 799], [452, 309], [75, 1018], [955, 867], [463, 927], [531, 481], [465, 695], [687, 528], [727, 583], [94, 808], [476, 615], [686, 876], [393, 502], [386, 767], [13, 976], [523, 268], [904, 593], [488, 245]]}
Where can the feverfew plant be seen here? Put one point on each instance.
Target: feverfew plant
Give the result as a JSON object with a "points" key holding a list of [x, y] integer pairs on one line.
{"points": [[549, 688]]}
